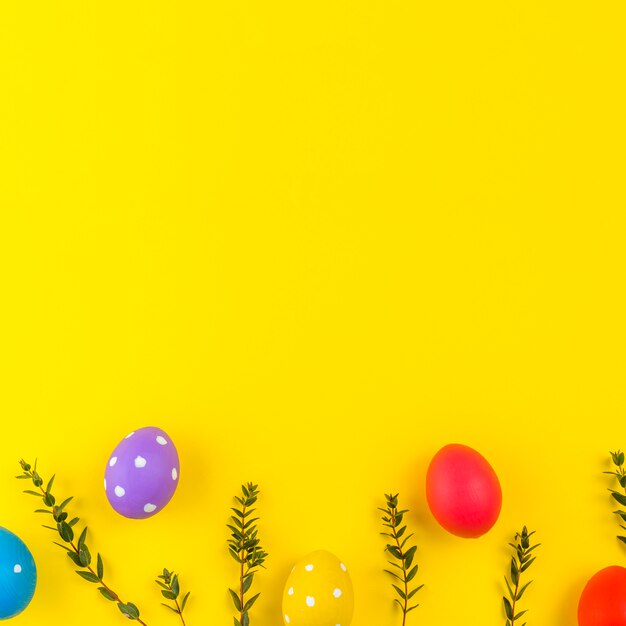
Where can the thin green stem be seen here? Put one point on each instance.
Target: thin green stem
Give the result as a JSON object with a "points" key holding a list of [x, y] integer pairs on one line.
{"points": [[242, 555], [515, 601], [394, 511], [180, 612], [45, 494]]}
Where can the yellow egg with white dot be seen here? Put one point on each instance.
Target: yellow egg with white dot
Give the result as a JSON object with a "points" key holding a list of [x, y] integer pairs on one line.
{"points": [[318, 592]]}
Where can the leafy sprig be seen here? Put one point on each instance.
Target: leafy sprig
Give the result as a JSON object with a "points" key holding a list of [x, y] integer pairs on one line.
{"points": [[403, 556], [76, 550], [520, 562], [171, 591], [244, 546], [620, 498]]}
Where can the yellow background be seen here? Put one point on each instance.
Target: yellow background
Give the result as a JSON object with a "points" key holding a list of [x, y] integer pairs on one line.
{"points": [[314, 242]]}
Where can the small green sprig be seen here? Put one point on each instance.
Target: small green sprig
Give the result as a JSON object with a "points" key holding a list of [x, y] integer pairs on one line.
{"points": [[620, 498], [77, 551], [244, 546], [171, 591], [403, 557], [520, 562]]}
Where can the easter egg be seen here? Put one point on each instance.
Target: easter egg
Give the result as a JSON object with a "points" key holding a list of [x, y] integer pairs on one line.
{"points": [[603, 600], [142, 473], [18, 575], [463, 491], [318, 592]]}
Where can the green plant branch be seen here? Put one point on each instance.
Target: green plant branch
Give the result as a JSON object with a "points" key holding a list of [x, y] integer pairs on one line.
{"points": [[171, 590], [79, 552], [392, 519], [244, 546], [620, 498], [520, 562]]}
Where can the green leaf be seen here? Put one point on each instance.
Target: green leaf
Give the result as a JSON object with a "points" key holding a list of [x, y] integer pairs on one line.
{"points": [[514, 572], [510, 589], [395, 551], [65, 503], [107, 594], [100, 567], [84, 556], [394, 575], [400, 592], [75, 558], [129, 609], [248, 605], [411, 575], [520, 593], [50, 483], [184, 602], [88, 576], [408, 557], [66, 532], [166, 593], [621, 498], [236, 600], [83, 537], [247, 583], [508, 608]]}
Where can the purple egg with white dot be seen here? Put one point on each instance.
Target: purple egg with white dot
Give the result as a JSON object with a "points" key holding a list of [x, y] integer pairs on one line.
{"points": [[142, 473]]}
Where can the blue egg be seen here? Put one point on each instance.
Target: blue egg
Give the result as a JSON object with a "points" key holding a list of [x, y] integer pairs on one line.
{"points": [[18, 575]]}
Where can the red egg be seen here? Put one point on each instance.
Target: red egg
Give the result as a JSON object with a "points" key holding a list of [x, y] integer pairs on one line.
{"points": [[463, 491], [603, 600]]}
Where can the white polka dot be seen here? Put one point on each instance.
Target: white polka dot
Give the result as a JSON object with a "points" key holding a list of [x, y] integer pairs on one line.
{"points": [[17, 568], [149, 508], [162, 441], [129, 435], [290, 591], [140, 462], [343, 567], [113, 461], [174, 474], [310, 601], [308, 568], [105, 484], [287, 618], [120, 492], [337, 592]]}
